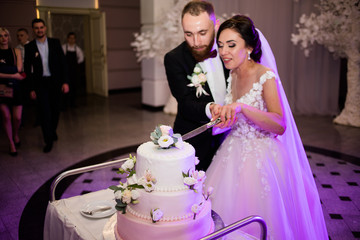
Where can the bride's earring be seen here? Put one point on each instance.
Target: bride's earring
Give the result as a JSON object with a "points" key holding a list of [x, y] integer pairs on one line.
{"points": [[249, 55]]}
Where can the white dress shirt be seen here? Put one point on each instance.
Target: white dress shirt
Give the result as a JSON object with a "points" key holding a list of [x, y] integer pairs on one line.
{"points": [[215, 78], [44, 53], [73, 48]]}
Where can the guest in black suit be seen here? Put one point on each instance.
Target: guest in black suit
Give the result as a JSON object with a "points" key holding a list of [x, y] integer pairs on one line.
{"points": [[195, 104], [46, 68]]}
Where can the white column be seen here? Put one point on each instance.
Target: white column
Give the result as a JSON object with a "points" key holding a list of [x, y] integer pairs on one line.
{"points": [[155, 88]]}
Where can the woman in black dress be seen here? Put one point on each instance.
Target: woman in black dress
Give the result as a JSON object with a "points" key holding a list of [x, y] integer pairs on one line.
{"points": [[10, 92]]}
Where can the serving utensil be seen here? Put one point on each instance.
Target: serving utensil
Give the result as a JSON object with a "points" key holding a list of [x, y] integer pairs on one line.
{"points": [[91, 212]]}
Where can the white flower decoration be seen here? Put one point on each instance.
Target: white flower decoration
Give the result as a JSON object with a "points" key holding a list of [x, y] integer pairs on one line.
{"points": [[148, 185], [126, 196], [132, 180], [197, 69], [195, 208], [135, 194], [180, 143], [210, 191], [149, 177], [335, 27], [199, 175], [128, 165], [202, 78], [165, 141], [118, 195], [198, 80], [166, 130], [190, 181], [156, 214]]}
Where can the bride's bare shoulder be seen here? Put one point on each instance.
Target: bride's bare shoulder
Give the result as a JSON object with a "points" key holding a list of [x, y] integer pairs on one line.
{"points": [[261, 70]]}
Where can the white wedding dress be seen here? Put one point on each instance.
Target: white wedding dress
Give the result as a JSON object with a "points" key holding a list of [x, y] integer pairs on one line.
{"points": [[255, 173]]}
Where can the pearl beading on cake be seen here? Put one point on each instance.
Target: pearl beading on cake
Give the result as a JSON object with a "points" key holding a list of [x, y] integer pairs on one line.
{"points": [[163, 219], [171, 189]]}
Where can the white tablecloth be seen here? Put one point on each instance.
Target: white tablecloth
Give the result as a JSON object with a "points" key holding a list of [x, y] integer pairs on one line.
{"points": [[64, 221]]}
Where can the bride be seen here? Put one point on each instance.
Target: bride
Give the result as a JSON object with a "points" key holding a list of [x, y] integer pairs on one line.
{"points": [[261, 167]]}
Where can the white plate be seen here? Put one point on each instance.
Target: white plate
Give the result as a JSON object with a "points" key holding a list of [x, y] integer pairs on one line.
{"points": [[97, 205]]}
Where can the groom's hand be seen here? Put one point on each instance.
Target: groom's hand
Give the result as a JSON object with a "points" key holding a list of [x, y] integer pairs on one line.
{"points": [[215, 110]]}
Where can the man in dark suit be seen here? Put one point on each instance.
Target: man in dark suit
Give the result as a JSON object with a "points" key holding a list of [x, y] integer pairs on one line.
{"points": [[198, 50], [46, 70]]}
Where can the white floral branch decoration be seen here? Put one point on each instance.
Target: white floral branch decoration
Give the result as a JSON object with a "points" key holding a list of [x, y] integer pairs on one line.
{"points": [[337, 27]]}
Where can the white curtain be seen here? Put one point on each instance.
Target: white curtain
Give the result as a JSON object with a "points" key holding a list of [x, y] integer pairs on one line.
{"points": [[311, 83]]}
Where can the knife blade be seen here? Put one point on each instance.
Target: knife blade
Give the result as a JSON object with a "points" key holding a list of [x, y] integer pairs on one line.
{"points": [[200, 129]]}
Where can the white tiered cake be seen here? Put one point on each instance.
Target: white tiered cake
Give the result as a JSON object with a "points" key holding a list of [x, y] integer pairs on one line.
{"points": [[172, 204]]}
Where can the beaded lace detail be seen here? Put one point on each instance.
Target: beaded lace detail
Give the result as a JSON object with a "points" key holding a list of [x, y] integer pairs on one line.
{"points": [[244, 128]]}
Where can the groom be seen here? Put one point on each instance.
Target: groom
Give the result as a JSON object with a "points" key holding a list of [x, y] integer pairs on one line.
{"points": [[195, 103]]}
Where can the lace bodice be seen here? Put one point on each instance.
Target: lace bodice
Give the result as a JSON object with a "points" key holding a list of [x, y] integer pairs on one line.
{"points": [[244, 128]]}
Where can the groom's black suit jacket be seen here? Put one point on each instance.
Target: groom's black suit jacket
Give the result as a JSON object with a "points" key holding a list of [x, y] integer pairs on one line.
{"points": [[179, 63]]}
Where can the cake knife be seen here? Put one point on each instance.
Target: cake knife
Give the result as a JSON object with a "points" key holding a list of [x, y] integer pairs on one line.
{"points": [[201, 129]]}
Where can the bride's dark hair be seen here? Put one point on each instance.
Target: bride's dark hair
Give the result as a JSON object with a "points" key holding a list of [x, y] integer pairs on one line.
{"points": [[245, 27]]}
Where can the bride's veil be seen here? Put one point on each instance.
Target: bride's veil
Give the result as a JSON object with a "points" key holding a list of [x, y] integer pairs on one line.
{"points": [[291, 140]]}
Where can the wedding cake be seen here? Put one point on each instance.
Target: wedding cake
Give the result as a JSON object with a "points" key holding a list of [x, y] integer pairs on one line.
{"points": [[163, 196]]}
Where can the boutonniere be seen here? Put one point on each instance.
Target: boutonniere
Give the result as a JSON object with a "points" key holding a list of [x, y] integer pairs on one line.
{"points": [[36, 54], [198, 80]]}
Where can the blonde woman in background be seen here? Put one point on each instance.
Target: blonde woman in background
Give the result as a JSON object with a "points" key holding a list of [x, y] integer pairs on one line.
{"points": [[11, 103]]}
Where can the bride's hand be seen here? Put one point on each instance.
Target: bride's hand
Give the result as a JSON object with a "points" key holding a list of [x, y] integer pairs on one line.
{"points": [[228, 114]]}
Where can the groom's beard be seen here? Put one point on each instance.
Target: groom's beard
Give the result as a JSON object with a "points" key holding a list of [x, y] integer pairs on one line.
{"points": [[204, 54]]}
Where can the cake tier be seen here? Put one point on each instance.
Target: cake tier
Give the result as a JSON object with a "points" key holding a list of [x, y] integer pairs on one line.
{"points": [[130, 227], [166, 165], [174, 205]]}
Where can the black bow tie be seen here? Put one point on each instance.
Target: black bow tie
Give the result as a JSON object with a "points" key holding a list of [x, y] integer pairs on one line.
{"points": [[212, 54]]}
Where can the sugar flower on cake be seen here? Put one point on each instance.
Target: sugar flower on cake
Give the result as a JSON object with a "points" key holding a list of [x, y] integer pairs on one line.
{"points": [[196, 208], [209, 191], [126, 196], [166, 130], [149, 186], [156, 214], [194, 179], [132, 179], [190, 181], [135, 194], [165, 141], [149, 177], [148, 181], [196, 160], [180, 143], [126, 193], [128, 166], [123, 197], [164, 136]]}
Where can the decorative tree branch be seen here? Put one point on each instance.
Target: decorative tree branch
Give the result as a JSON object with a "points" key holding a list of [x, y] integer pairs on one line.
{"points": [[337, 28]]}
